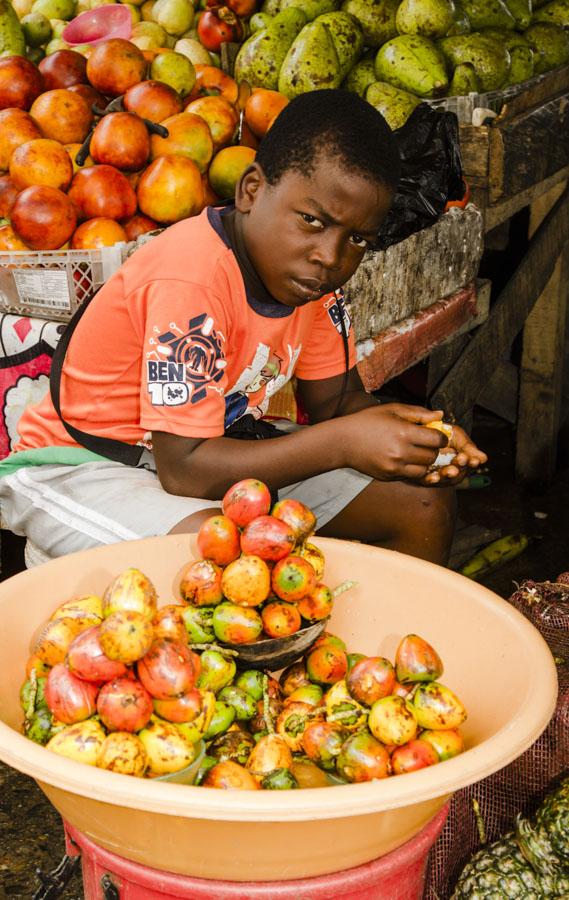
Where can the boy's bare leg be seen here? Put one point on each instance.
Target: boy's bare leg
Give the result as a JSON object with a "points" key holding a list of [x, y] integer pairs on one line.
{"points": [[400, 516], [194, 522]]}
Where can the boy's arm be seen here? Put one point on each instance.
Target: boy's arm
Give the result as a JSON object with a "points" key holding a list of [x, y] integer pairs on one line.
{"points": [[320, 400], [319, 397], [207, 468], [385, 442]]}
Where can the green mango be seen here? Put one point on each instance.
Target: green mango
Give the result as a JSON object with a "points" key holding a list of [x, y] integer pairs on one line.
{"points": [[550, 44], [347, 38], [262, 55], [522, 65], [12, 41], [251, 681], [429, 18], [376, 18], [464, 81], [216, 671], [190, 731], [360, 78], [307, 693], [436, 707], [28, 690], [259, 21], [521, 11], [311, 63], [39, 727], [510, 39], [521, 54], [354, 658], [491, 61], [37, 30], [199, 623], [56, 9], [222, 719], [461, 22], [279, 780], [556, 13], [243, 703], [394, 105], [312, 8], [488, 14], [234, 745], [271, 7], [412, 63]]}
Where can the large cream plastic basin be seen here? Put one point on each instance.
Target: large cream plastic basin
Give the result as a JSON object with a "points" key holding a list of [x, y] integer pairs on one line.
{"points": [[494, 660]]}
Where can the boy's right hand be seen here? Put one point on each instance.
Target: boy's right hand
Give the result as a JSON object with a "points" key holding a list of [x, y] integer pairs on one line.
{"points": [[389, 442]]}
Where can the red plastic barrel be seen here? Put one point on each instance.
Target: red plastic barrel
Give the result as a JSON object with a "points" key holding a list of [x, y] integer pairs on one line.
{"points": [[399, 875]]}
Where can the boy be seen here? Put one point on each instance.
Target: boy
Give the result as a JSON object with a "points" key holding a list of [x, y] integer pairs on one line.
{"points": [[181, 349]]}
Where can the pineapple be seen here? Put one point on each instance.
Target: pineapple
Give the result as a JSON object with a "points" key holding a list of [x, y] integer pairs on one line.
{"points": [[500, 872], [530, 864], [546, 845]]}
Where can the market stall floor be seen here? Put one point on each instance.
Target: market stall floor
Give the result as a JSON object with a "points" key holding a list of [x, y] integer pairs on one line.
{"points": [[31, 836]]}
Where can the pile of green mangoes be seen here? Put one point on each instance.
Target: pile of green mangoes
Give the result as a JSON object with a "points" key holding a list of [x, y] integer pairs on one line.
{"points": [[397, 53]]}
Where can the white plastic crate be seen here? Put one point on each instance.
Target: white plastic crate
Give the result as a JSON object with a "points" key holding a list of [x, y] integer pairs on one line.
{"points": [[51, 284]]}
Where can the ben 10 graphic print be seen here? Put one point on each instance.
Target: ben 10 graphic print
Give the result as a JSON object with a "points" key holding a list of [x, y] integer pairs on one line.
{"points": [[187, 364]]}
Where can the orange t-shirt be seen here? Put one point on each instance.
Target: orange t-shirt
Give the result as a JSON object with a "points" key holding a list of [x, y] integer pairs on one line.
{"points": [[172, 342]]}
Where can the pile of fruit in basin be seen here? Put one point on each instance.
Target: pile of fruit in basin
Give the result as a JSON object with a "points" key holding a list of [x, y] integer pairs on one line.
{"points": [[161, 692]]}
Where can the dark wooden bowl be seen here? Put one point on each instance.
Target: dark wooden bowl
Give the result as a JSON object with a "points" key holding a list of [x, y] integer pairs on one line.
{"points": [[277, 653]]}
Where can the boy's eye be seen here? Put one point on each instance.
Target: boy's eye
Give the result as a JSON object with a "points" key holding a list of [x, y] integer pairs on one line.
{"points": [[311, 220], [360, 241]]}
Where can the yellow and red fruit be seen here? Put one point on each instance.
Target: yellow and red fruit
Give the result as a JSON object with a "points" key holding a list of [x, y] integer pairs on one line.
{"points": [[293, 578]]}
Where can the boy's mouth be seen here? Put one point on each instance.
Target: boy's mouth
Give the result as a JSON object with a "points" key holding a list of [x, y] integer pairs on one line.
{"points": [[310, 288]]}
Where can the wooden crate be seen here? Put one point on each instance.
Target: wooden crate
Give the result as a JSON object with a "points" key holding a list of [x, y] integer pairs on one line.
{"points": [[526, 145], [434, 263]]}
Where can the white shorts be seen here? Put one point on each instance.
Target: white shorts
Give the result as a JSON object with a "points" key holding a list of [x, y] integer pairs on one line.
{"points": [[65, 509]]}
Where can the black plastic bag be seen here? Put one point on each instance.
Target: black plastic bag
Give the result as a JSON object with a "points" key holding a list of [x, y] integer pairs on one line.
{"points": [[431, 173]]}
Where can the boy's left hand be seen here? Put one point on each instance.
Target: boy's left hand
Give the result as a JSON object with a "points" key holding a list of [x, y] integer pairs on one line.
{"points": [[468, 457]]}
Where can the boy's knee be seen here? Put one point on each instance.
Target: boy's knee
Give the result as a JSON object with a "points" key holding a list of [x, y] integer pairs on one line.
{"points": [[421, 523], [438, 504]]}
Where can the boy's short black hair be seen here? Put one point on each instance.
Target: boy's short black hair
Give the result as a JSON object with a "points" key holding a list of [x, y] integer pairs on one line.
{"points": [[337, 122]]}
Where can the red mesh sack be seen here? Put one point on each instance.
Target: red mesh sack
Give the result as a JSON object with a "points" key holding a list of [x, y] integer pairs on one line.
{"points": [[522, 785]]}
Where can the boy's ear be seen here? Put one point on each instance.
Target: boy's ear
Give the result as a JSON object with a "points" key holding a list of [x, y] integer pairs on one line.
{"points": [[252, 180]]}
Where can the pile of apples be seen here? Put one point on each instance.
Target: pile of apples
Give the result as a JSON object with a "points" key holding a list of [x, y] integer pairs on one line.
{"points": [[123, 684], [100, 148]]}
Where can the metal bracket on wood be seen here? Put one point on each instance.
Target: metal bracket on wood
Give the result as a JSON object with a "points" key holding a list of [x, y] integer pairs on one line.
{"points": [[461, 387]]}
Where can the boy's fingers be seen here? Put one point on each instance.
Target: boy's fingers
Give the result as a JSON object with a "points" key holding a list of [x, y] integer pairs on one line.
{"points": [[421, 456], [418, 414], [461, 441], [452, 471], [414, 472], [471, 457]]}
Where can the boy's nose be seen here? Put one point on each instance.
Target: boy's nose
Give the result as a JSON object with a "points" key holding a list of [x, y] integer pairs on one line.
{"points": [[327, 253]]}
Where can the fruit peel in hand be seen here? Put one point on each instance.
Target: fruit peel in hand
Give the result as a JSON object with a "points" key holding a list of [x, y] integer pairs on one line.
{"points": [[447, 454]]}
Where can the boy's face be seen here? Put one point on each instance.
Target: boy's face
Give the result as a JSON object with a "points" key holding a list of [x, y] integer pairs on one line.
{"points": [[306, 236]]}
